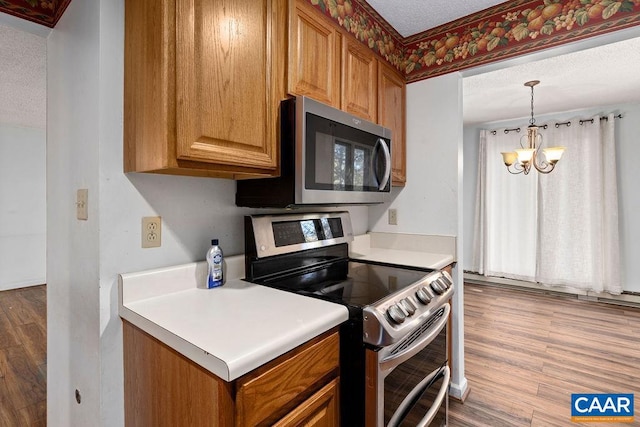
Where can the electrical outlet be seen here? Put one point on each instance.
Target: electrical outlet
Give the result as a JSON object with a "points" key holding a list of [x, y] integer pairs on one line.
{"points": [[82, 204], [393, 217], [151, 231]]}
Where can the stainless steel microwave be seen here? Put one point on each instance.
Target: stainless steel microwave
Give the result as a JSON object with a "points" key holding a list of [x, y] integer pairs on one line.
{"points": [[328, 157]]}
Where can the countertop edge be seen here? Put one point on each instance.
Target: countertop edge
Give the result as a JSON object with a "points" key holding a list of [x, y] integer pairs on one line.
{"points": [[230, 370], [192, 352]]}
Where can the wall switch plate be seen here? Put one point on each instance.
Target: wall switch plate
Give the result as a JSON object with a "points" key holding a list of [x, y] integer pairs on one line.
{"points": [[82, 204], [393, 217], [151, 231]]}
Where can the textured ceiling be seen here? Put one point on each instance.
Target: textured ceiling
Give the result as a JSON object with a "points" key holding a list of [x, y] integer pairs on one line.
{"points": [[411, 17], [601, 76]]}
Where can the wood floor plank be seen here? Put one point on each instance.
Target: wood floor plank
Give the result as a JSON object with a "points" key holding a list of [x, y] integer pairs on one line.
{"points": [[526, 352], [8, 336], [18, 311], [26, 385], [34, 415], [34, 339], [23, 371]]}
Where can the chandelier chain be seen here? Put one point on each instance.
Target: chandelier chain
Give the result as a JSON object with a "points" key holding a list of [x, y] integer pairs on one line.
{"points": [[532, 121]]}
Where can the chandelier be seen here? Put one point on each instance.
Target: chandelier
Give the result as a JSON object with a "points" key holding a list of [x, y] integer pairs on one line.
{"points": [[529, 154]]}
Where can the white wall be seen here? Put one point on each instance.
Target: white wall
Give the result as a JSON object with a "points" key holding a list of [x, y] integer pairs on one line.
{"points": [[628, 151], [84, 257], [22, 158], [22, 207], [431, 202]]}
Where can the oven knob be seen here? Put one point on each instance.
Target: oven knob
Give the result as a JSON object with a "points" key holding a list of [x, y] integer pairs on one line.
{"points": [[447, 281], [408, 306], [436, 288], [395, 314], [443, 283], [423, 296]]}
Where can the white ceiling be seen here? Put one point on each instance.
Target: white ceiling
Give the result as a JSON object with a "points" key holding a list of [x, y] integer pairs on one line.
{"points": [[600, 76], [411, 17]]}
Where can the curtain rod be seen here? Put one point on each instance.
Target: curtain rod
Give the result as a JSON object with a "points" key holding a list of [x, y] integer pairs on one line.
{"points": [[568, 123]]}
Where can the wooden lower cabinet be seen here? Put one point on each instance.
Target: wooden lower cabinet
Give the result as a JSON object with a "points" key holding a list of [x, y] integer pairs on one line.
{"points": [[164, 388], [320, 410]]}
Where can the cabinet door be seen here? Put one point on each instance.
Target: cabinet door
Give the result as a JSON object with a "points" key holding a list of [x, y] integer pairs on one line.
{"points": [[314, 55], [320, 410], [229, 81], [392, 114], [359, 80], [163, 388]]}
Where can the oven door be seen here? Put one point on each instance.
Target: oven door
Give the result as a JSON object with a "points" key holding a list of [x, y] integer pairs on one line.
{"points": [[408, 382]]}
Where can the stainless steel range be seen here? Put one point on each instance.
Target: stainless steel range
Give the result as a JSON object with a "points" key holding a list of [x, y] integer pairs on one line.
{"points": [[394, 351]]}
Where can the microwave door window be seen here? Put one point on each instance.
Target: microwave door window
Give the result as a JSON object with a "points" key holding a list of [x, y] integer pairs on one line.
{"points": [[339, 157], [340, 168], [350, 166], [324, 156], [361, 170]]}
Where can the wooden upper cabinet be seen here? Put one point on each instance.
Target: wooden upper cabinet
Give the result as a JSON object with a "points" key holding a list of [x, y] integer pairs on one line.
{"points": [[359, 80], [203, 84], [392, 114], [314, 54]]}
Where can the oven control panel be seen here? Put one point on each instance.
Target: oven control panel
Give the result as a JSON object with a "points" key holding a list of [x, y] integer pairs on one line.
{"points": [[393, 317], [278, 234]]}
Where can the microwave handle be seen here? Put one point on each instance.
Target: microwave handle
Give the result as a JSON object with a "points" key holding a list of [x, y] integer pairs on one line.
{"points": [[387, 163]]}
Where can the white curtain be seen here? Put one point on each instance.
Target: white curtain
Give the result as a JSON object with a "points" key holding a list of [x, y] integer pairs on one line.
{"points": [[557, 229], [578, 242], [506, 212]]}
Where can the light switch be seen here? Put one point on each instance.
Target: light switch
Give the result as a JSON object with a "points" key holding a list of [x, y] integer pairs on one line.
{"points": [[393, 217], [82, 204]]}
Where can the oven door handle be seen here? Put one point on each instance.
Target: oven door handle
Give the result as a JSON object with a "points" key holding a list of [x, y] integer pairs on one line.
{"points": [[408, 401], [388, 363]]}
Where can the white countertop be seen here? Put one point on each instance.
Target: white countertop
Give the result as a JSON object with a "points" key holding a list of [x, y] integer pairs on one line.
{"points": [[412, 250], [229, 330], [407, 258], [238, 327]]}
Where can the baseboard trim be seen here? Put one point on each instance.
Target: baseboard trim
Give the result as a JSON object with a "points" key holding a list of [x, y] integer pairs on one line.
{"points": [[626, 299], [459, 391]]}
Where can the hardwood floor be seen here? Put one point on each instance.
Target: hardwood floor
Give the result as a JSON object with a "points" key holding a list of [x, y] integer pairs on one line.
{"points": [[23, 357], [525, 353]]}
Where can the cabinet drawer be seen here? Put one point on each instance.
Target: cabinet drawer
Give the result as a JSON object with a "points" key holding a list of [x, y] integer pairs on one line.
{"points": [[321, 409], [277, 388]]}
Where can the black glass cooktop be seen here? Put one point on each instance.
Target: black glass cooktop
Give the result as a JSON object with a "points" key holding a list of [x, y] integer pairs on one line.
{"points": [[354, 283]]}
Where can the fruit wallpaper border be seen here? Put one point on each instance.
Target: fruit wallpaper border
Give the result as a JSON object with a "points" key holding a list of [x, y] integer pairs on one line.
{"points": [[504, 31], [44, 12]]}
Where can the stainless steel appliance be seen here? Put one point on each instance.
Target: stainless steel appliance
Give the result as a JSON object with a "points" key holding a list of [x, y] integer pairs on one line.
{"points": [[327, 156], [393, 362]]}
